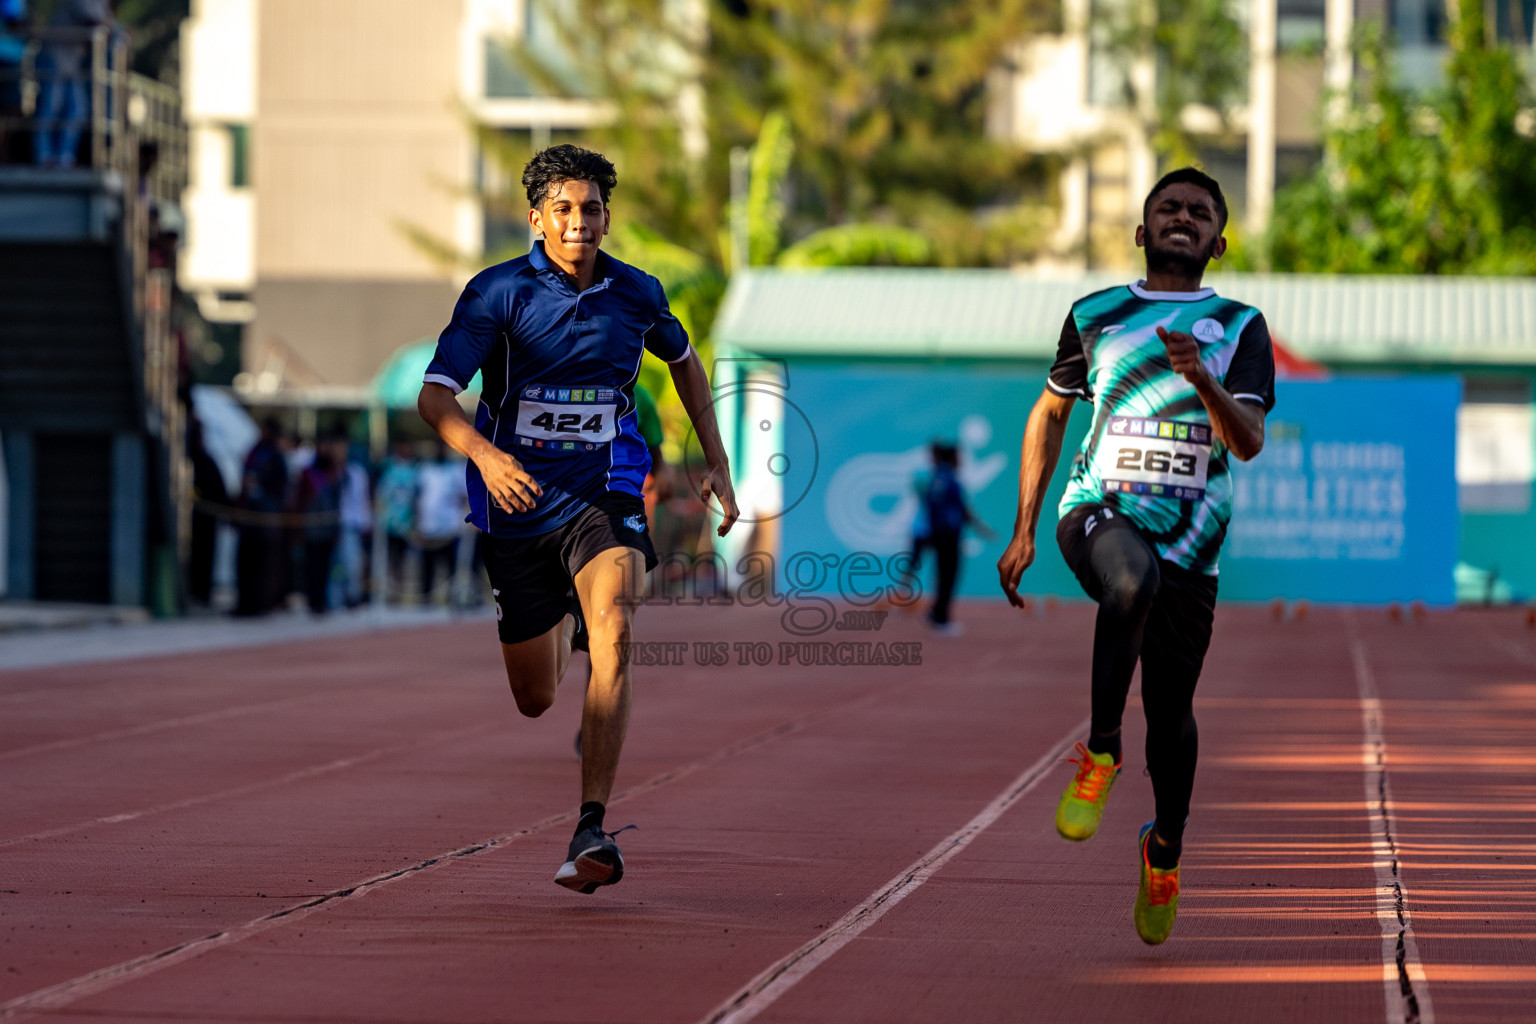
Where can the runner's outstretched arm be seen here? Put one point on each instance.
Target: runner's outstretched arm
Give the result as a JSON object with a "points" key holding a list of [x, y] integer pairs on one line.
{"points": [[692, 385], [1037, 461], [505, 479]]}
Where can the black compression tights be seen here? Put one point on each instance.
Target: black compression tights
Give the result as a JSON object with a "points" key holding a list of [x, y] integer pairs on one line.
{"points": [[1160, 614]]}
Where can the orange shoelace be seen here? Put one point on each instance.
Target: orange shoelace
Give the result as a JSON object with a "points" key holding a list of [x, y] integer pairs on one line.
{"points": [[1162, 886], [1091, 776]]}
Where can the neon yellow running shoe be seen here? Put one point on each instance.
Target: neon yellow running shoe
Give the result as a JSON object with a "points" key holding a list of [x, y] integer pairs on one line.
{"points": [[1082, 805], [1157, 898]]}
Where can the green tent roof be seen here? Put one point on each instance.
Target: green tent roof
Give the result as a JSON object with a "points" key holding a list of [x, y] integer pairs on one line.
{"points": [[1001, 314], [399, 380]]}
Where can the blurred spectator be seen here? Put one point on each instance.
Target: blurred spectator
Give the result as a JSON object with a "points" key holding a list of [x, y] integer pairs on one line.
{"points": [[13, 49], [260, 569], [298, 453], [356, 528], [396, 498], [948, 516], [442, 502], [317, 498], [209, 493], [922, 528], [657, 487], [682, 535], [64, 101]]}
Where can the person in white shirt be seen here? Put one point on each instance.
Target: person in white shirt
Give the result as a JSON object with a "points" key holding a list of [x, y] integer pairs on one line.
{"points": [[442, 502]]}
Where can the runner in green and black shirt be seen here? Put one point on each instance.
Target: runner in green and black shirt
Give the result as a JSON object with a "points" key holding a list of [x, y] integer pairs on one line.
{"points": [[1179, 379]]}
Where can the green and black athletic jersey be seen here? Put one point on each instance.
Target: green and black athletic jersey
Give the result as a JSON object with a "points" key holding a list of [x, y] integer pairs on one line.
{"points": [[1150, 453]]}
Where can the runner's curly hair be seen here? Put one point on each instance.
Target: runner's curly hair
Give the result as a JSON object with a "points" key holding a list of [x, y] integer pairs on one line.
{"points": [[550, 168]]}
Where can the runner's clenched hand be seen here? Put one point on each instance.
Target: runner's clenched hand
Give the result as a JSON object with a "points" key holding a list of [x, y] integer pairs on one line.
{"points": [[1018, 556], [507, 482], [1184, 354], [717, 481]]}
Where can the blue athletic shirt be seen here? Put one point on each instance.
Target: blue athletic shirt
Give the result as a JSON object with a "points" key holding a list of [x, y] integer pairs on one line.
{"points": [[558, 371]]}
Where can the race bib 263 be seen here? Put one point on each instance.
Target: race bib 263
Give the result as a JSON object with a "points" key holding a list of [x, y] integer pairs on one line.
{"points": [[1159, 458]]}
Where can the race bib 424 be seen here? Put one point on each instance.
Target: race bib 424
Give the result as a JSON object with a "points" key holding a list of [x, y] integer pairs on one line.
{"points": [[1159, 458], [566, 417]]}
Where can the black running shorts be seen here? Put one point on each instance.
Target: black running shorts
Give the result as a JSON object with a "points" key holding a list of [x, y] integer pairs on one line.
{"points": [[533, 578], [1185, 607]]}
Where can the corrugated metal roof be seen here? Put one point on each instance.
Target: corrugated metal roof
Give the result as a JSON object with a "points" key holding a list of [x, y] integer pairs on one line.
{"points": [[917, 312]]}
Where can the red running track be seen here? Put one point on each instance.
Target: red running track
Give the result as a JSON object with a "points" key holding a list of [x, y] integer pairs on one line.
{"points": [[363, 829]]}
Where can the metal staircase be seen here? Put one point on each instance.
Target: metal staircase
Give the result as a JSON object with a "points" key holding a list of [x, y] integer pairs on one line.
{"points": [[92, 430]]}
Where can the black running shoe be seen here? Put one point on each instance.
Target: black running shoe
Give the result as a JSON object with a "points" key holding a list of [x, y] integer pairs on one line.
{"points": [[592, 860]]}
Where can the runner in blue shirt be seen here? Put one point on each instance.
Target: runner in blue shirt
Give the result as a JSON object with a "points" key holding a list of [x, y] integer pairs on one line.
{"points": [[556, 460]]}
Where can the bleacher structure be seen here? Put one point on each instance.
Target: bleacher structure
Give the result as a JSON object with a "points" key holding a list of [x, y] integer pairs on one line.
{"points": [[92, 431]]}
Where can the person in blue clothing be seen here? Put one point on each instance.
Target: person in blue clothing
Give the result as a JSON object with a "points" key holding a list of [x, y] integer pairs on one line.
{"points": [[557, 462], [948, 515], [63, 66], [13, 51]]}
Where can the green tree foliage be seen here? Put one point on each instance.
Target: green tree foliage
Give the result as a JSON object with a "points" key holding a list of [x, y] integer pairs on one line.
{"points": [[1441, 183], [1199, 55], [886, 101], [864, 121], [861, 245], [867, 112]]}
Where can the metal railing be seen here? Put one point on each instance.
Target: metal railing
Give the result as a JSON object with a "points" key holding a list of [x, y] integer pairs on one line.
{"points": [[60, 70], [52, 72], [69, 100]]}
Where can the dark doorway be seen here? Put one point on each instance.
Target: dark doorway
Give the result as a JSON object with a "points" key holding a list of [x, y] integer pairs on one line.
{"points": [[73, 533]]}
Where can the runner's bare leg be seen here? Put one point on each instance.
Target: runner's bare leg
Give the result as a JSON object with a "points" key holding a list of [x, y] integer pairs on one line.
{"points": [[609, 588], [536, 666]]}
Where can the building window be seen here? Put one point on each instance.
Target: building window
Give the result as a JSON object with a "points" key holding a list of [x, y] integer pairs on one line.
{"points": [[1496, 445], [505, 75], [239, 155], [1417, 22], [1516, 20], [1300, 26], [1108, 82]]}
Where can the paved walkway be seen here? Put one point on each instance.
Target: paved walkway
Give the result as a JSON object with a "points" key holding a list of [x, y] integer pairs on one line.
{"points": [[42, 635]]}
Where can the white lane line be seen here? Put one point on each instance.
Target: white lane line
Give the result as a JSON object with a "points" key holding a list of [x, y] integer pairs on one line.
{"points": [[314, 771], [128, 732], [66, 992], [763, 990], [1407, 989]]}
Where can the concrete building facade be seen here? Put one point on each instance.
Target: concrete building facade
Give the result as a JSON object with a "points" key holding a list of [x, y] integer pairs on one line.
{"points": [[328, 139], [1068, 97]]}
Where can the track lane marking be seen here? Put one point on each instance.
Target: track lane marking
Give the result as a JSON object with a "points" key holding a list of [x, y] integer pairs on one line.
{"points": [[298, 775], [762, 991], [1403, 978], [66, 992], [125, 732]]}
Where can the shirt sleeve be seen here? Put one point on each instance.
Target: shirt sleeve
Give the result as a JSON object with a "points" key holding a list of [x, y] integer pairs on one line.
{"points": [[1251, 375], [666, 339], [1069, 374], [465, 343]]}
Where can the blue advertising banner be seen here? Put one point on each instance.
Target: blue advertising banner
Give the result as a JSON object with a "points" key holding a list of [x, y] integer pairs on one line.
{"points": [[1353, 499], [872, 428]]}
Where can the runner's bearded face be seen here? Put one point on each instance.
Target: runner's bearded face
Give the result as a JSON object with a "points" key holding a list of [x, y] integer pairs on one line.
{"points": [[573, 221], [1182, 232]]}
